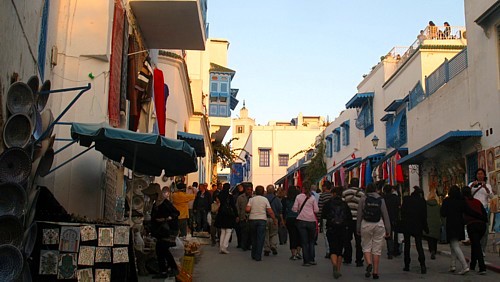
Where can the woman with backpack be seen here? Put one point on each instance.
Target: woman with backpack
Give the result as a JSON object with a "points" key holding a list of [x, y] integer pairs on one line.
{"points": [[338, 215], [373, 224]]}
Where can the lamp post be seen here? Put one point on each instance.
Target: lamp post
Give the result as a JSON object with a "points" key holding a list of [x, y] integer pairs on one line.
{"points": [[375, 140]]}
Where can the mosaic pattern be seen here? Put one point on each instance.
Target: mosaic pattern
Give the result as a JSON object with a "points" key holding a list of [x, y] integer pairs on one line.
{"points": [[121, 235], [85, 275], [50, 236], [88, 233], [102, 275], [86, 255], [105, 237], [102, 254], [48, 262], [66, 268], [120, 255], [70, 239]]}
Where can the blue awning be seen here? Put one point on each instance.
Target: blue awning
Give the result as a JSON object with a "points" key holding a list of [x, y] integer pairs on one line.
{"points": [[233, 102], [387, 117], [224, 94], [194, 140], [359, 99], [420, 155], [214, 94], [351, 162], [289, 173], [394, 105], [374, 158]]}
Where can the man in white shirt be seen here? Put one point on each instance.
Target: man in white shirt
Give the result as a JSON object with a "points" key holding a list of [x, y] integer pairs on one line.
{"points": [[482, 191], [259, 208]]}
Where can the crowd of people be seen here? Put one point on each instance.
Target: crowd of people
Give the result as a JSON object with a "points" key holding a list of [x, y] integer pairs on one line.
{"points": [[355, 222]]}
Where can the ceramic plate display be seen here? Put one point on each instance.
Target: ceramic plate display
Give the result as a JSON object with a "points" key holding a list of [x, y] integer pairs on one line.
{"points": [[86, 255], [120, 255], [102, 254], [11, 231], [88, 233], [102, 275], [69, 239], [11, 263], [105, 237], [48, 262], [13, 200], [66, 268], [50, 236], [85, 275], [121, 235]]}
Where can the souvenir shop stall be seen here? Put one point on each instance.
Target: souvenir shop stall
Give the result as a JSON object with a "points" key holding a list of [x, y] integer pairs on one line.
{"points": [[39, 240], [391, 172]]}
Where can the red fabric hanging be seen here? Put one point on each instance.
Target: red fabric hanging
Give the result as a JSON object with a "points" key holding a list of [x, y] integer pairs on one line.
{"points": [[384, 170], [159, 93], [299, 181], [115, 65], [399, 170]]}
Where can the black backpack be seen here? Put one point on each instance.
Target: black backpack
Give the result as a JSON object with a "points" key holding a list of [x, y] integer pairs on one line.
{"points": [[372, 210], [337, 214]]}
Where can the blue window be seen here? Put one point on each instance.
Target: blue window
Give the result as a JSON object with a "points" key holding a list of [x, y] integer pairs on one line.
{"points": [[396, 130], [365, 118], [264, 157], [219, 95], [345, 133], [336, 139], [328, 144]]}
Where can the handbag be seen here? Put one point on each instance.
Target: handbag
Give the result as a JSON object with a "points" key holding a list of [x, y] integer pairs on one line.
{"points": [[214, 208]]}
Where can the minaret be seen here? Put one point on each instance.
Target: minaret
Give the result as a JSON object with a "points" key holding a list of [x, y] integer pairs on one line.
{"points": [[242, 126]]}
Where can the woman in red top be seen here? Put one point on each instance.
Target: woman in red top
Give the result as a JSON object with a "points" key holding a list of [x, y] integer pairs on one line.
{"points": [[475, 219]]}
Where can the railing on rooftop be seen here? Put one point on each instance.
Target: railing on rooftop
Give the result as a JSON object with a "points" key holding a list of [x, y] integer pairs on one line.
{"points": [[426, 37], [442, 75]]}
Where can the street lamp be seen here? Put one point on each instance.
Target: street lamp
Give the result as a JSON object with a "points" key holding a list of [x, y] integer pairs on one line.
{"points": [[375, 143]]}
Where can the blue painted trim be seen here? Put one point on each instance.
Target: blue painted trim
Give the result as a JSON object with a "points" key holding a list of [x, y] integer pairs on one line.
{"points": [[42, 43], [415, 157], [359, 99], [394, 105]]}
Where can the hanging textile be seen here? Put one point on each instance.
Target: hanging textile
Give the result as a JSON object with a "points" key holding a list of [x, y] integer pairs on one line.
{"points": [[299, 180], [368, 173], [115, 65], [159, 98], [399, 170], [362, 175], [342, 177], [384, 170]]}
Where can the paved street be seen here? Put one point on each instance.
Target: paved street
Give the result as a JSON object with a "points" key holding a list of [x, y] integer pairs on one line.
{"points": [[238, 266]]}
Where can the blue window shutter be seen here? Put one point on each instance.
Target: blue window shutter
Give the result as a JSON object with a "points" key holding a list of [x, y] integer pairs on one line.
{"points": [[213, 110], [42, 43], [345, 133]]}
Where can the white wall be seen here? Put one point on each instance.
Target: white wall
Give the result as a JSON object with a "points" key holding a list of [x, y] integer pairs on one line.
{"points": [[354, 135]]}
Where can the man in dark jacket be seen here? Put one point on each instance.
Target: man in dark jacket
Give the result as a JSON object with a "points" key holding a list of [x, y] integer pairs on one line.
{"points": [[414, 222], [393, 204], [201, 207]]}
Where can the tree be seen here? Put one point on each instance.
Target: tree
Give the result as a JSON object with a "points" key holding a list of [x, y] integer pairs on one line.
{"points": [[224, 155], [317, 167]]}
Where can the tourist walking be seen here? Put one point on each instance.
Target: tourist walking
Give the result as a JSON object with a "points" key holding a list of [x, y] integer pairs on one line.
{"points": [[201, 207], [181, 200], [372, 225], [306, 206], [271, 239], [414, 222], [434, 222], [291, 222], [226, 217], [242, 219], [259, 207], [337, 215], [475, 219], [482, 191], [453, 209], [393, 203], [352, 195], [324, 197]]}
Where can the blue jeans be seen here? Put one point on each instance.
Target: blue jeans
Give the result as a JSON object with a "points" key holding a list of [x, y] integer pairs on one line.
{"points": [[258, 233], [307, 234]]}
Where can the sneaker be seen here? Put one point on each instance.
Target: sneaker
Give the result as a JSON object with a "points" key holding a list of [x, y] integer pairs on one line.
{"points": [[293, 257], [306, 264], [482, 272], [312, 263], [368, 272], [452, 269], [224, 252], [464, 271], [298, 256]]}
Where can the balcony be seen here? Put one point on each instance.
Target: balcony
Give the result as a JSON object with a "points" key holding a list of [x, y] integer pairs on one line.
{"points": [[170, 24]]}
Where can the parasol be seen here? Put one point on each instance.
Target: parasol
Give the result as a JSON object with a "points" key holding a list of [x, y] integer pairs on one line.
{"points": [[142, 152]]}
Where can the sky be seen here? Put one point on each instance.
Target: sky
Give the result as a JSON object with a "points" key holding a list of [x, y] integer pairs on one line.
{"points": [[293, 56]]}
